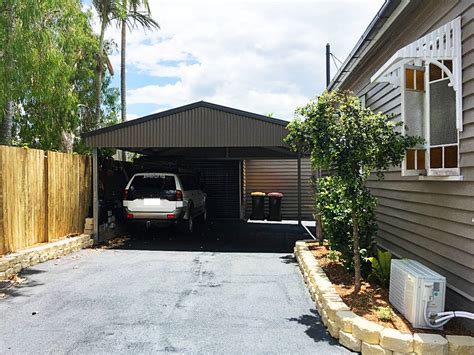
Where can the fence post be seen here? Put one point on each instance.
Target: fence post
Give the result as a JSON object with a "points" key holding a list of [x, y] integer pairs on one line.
{"points": [[299, 188], [3, 246], [46, 196]]}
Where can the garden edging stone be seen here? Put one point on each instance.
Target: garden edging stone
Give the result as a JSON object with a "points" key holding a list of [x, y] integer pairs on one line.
{"points": [[12, 264], [359, 334]]}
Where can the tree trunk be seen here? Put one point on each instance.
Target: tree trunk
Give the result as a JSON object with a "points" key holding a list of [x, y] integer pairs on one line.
{"points": [[123, 88], [6, 125], [100, 71], [319, 220], [356, 237], [7, 121]]}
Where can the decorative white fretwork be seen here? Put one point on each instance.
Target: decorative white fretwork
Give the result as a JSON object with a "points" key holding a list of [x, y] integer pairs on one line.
{"points": [[443, 43]]}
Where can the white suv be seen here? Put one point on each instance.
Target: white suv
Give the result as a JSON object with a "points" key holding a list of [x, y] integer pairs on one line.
{"points": [[164, 197]]}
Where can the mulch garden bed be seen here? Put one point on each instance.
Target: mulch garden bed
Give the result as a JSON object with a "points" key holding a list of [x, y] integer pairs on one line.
{"points": [[372, 302]]}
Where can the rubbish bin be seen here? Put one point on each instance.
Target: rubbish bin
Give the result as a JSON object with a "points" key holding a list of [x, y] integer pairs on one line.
{"points": [[258, 204], [274, 206]]}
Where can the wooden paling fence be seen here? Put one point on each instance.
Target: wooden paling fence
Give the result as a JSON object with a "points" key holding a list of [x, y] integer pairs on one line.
{"points": [[44, 196]]}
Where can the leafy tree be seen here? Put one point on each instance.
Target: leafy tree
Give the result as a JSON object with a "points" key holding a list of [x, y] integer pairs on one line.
{"points": [[47, 72], [351, 142], [335, 209]]}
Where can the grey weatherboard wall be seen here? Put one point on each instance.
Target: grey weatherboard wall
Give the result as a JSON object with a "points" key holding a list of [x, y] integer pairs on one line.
{"points": [[431, 221]]}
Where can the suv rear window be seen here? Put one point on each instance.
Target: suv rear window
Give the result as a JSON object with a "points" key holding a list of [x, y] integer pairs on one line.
{"points": [[152, 186]]}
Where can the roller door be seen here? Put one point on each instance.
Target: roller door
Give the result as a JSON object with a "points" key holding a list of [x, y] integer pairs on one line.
{"points": [[221, 183]]}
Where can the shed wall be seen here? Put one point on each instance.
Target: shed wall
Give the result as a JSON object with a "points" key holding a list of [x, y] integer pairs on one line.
{"points": [[281, 176], [196, 127], [431, 221]]}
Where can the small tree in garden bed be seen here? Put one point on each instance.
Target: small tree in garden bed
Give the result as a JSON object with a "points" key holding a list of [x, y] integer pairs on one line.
{"points": [[351, 142], [334, 205]]}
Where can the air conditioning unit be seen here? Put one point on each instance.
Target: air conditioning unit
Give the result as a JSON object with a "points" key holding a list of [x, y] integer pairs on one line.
{"points": [[412, 284]]}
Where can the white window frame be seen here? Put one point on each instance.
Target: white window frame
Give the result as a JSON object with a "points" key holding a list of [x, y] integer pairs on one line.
{"points": [[443, 43], [417, 171], [427, 117]]}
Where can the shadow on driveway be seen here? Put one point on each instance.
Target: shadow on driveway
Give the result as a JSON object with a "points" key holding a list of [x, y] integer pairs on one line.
{"points": [[315, 327], [220, 236]]}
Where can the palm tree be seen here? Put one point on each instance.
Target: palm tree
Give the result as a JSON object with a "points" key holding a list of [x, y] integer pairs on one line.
{"points": [[108, 11], [127, 14], [138, 14]]}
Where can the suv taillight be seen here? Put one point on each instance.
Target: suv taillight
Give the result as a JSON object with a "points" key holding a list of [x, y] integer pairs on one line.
{"points": [[125, 194], [179, 195]]}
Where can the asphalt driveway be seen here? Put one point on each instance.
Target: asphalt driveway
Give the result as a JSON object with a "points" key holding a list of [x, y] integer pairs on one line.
{"points": [[232, 288]]}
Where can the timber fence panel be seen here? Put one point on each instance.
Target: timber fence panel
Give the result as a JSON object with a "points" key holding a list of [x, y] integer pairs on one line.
{"points": [[69, 193], [42, 198], [23, 202]]}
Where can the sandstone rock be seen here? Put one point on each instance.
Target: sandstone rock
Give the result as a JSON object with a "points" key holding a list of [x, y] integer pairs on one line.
{"points": [[17, 268], [349, 341], [460, 344], [4, 265], [366, 330], [344, 320], [324, 316], [333, 329], [433, 344], [332, 307], [371, 349], [395, 340]]}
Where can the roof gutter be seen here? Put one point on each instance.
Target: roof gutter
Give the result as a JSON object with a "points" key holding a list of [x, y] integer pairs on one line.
{"points": [[390, 10]]}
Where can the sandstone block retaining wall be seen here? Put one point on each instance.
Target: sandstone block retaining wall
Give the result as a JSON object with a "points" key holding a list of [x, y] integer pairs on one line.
{"points": [[361, 335], [11, 264]]}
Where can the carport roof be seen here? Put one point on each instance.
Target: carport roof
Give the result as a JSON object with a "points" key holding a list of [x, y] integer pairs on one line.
{"points": [[203, 126]]}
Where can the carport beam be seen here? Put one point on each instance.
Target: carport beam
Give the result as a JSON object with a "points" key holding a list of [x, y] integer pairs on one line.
{"points": [[95, 193], [299, 188]]}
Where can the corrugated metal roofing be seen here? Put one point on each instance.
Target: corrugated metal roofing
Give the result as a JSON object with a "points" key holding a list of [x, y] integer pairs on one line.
{"points": [[198, 125]]}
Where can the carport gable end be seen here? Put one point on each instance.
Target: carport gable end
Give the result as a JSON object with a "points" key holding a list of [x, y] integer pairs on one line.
{"points": [[198, 130]]}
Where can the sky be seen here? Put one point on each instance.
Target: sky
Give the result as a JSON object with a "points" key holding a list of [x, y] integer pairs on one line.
{"points": [[260, 56]]}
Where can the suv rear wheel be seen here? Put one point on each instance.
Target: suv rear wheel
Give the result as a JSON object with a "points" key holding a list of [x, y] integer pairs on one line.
{"points": [[204, 214], [187, 225]]}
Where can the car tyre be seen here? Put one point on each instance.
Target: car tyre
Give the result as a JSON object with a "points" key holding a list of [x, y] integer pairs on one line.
{"points": [[204, 214], [188, 224]]}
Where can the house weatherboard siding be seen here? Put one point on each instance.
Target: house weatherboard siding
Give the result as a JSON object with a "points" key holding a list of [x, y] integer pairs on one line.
{"points": [[280, 176], [428, 220]]}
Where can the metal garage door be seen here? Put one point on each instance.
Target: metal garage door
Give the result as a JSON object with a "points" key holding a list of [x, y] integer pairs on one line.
{"points": [[282, 176], [221, 183]]}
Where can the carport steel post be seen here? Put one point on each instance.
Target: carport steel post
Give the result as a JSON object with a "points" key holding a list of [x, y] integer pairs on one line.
{"points": [[95, 193]]}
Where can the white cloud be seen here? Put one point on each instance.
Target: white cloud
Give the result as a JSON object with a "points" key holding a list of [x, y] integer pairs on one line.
{"points": [[261, 56], [131, 116]]}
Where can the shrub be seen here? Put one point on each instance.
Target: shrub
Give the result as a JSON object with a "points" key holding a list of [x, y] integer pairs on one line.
{"points": [[334, 206], [381, 267], [333, 255], [384, 313]]}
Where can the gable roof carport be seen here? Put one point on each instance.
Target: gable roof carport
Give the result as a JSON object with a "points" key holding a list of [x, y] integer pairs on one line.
{"points": [[200, 130]]}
